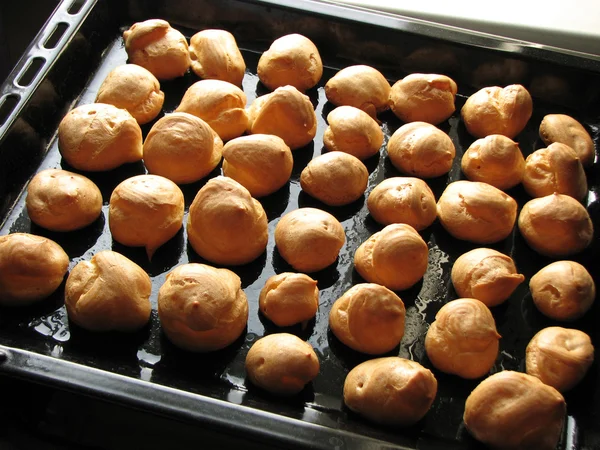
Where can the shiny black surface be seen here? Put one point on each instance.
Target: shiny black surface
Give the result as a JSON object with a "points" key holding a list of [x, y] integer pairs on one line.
{"points": [[148, 356]]}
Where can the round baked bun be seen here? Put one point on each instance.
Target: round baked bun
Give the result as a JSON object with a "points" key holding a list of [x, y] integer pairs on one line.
{"points": [[403, 200], [566, 130], [182, 148], [262, 163], [420, 97], [360, 86], [156, 46], [59, 200], [390, 391], [352, 131], [289, 298], [368, 318], [135, 89], [395, 257], [291, 60], [335, 178], [220, 104], [476, 212], [108, 293], [495, 110], [201, 308], [309, 239], [282, 364], [225, 224], [422, 150], [145, 211], [215, 55], [487, 275], [556, 225], [563, 290], [286, 113], [99, 137], [31, 268], [513, 411], [463, 339], [496, 160]]}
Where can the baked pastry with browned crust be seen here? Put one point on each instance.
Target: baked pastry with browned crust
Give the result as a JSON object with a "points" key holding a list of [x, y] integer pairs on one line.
{"points": [[403, 200], [108, 293], [395, 257], [201, 308], [31, 268], [289, 298], [335, 178], [566, 130], [421, 97], [563, 290], [487, 275], [309, 239], [182, 148], [215, 55], [156, 46], [135, 89], [391, 391], [262, 163], [368, 318], [60, 200], [556, 225], [353, 131], [515, 411], [281, 363], [291, 60], [225, 224], [99, 137]]}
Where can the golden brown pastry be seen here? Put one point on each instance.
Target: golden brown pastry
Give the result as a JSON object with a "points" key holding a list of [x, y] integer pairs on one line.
{"points": [[108, 293], [566, 130], [289, 298], [262, 163], [368, 318], [515, 411], [463, 339], [335, 178], [145, 211], [563, 290], [487, 275], [496, 160], [476, 212], [281, 363], [215, 55], [220, 104], [559, 357], [556, 225], [291, 60], [99, 137], [353, 131], [286, 113], [201, 308], [395, 257], [31, 268], [391, 391], [403, 200], [421, 97], [309, 239], [225, 224], [59, 200], [360, 86], [422, 150], [156, 46], [182, 148], [495, 110], [135, 89], [556, 169]]}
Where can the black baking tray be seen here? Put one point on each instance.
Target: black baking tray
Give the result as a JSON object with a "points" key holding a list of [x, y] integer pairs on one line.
{"points": [[64, 67]]}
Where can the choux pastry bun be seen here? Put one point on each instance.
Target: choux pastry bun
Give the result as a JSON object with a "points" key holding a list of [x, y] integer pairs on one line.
{"points": [[566, 130], [215, 55], [289, 298]]}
